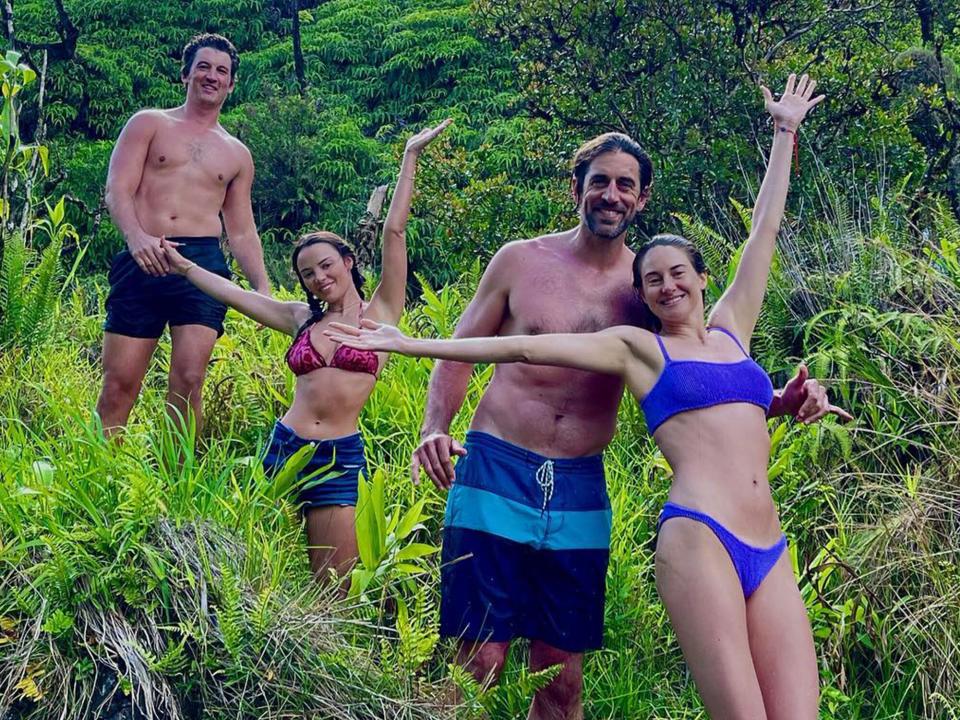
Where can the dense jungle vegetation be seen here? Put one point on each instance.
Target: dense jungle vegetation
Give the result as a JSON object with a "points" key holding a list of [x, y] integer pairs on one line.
{"points": [[166, 577]]}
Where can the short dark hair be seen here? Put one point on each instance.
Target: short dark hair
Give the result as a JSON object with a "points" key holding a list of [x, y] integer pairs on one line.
{"points": [[210, 40], [611, 142]]}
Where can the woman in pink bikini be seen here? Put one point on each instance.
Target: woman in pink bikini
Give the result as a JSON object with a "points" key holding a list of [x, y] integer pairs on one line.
{"points": [[333, 383], [721, 566]]}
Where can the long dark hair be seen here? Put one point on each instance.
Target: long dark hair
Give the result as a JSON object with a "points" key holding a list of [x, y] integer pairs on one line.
{"points": [[317, 307], [668, 240]]}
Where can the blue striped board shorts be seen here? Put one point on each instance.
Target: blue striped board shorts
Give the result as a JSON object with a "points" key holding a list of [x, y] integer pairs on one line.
{"points": [[350, 461], [526, 543]]}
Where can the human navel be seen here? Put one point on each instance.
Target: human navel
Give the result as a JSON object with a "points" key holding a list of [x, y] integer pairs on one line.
{"points": [[163, 158], [220, 177], [173, 217]]}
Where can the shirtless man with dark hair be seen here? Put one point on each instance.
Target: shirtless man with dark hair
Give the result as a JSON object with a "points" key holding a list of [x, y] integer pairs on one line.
{"points": [[527, 526], [175, 173]]}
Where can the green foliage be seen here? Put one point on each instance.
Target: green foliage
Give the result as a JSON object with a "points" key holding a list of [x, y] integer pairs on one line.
{"points": [[27, 293], [384, 539], [314, 165], [29, 278], [681, 77], [186, 581]]}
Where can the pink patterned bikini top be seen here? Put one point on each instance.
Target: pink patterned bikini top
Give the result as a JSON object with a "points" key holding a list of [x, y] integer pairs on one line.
{"points": [[303, 357]]}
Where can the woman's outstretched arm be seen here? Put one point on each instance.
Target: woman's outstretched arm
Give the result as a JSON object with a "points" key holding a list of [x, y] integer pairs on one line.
{"points": [[283, 316], [739, 307], [388, 299], [606, 351]]}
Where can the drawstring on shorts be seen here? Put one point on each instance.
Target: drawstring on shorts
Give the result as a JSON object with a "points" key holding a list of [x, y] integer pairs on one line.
{"points": [[545, 481]]}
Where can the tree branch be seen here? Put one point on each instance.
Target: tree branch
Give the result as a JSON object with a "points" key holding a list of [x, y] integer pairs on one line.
{"points": [[298, 65], [7, 9]]}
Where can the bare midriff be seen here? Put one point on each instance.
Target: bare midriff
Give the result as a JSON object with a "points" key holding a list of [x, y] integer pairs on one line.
{"points": [[719, 457], [327, 403], [556, 412]]}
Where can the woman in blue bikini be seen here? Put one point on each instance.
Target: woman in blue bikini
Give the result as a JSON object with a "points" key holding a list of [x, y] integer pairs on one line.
{"points": [[721, 568]]}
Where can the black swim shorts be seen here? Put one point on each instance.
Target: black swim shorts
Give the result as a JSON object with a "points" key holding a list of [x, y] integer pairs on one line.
{"points": [[140, 305]]}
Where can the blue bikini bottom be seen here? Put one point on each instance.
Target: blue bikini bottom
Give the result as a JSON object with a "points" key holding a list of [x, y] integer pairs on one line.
{"points": [[752, 564]]}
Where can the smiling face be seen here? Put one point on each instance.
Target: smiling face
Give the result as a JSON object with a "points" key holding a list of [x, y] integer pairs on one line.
{"points": [[210, 78], [324, 272], [670, 285], [610, 197]]}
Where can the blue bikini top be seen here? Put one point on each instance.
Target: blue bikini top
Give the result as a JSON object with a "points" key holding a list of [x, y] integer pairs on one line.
{"points": [[693, 384]]}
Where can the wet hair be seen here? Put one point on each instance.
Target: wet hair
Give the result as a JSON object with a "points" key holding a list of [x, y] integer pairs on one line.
{"points": [[610, 142], [317, 307], [664, 240], [210, 40]]}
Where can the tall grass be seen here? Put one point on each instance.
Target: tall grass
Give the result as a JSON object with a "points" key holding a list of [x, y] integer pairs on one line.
{"points": [[164, 570]]}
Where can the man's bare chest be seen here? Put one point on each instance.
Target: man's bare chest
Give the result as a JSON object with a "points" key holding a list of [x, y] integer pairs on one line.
{"points": [[205, 157], [551, 303]]}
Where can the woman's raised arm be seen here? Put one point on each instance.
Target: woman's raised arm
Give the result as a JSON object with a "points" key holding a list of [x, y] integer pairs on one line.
{"points": [[607, 351], [739, 307], [388, 299]]}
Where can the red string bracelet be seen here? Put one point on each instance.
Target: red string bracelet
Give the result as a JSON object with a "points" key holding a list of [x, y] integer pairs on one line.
{"points": [[796, 147]]}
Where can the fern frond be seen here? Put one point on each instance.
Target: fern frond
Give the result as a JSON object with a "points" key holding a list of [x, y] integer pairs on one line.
{"points": [[12, 273], [41, 294]]}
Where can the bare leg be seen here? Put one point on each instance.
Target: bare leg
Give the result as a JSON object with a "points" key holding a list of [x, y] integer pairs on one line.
{"points": [[331, 540], [562, 699], [125, 362], [189, 358], [782, 646], [702, 594], [484, 661]]}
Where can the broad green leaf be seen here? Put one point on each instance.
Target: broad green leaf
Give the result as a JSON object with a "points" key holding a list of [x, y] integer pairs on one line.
{"points": [[45, 161], [359, 581], [365, 540], [411, 519], [43, 471], [285, 480], [416, 550], [379, 508]]}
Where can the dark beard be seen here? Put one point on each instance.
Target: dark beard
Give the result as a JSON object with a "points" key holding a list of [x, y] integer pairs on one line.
{"points": [[601, 230]]}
